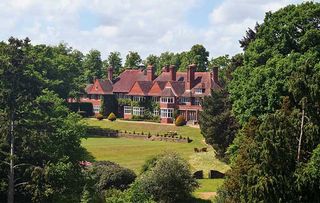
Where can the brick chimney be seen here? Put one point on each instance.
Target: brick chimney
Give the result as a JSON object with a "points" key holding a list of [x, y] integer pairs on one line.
{"points": [[150, 73], [190, 76], [110, 73], [172, 71], [215, 73], [165, 69]]}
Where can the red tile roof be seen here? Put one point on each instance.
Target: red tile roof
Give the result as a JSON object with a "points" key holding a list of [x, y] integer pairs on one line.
{"points": [[126, 80], [100, 87], [135, 82]]}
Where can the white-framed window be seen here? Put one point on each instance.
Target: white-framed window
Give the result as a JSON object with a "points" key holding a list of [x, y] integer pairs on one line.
{"points": [[184, 100], [127, 109], [96, 109], [155, 99], [138, 111], [198, 91], [138, 98], [155, 112], [167, 113], [197, 101], [169, 100]]}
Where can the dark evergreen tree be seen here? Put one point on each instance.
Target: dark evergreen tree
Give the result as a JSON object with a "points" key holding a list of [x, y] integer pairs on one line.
{"points": [[217, 124]]}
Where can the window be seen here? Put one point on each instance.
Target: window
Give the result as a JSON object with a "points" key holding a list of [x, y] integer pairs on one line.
{"points": [[198, 91], [138, 111], [169, 100], [197, 101], [138, 98], [184, 100], [155, 99], [155, 112], [166, 113], [96, 109], [127, 110]]}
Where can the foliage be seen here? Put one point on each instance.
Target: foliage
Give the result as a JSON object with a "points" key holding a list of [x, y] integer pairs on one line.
{"points": [[112, 117], [283, 60], [265, 161], [99, 116], [109, 104], [153, 60], [114, 60], [132, 60], [162, 183], [124, 102], [180, 121], [250, 36], [110, 175], [93, 67], [217, 124], [308, 178]]}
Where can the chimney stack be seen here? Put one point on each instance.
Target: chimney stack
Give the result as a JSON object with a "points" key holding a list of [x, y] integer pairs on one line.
{"points": [[173, 74], [165, 68], [190, 76], [150, 73], [110, 73], [215, 73]]}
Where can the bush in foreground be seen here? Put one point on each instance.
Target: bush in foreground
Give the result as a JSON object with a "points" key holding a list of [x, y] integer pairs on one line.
{"points": [[112, 117], [180, 121], [111, 175], [167, 180]]}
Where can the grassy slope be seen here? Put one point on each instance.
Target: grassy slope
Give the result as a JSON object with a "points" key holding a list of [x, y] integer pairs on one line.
{"points": [[132, 153]]}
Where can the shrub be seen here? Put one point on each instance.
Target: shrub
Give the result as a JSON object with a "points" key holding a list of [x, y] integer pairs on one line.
{"points": [[162, 182], [99, 117], [112, 117], [180, 121], [110, 175]]}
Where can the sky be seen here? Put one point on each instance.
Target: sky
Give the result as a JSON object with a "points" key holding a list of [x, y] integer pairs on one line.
{"points": [[145, 26]]}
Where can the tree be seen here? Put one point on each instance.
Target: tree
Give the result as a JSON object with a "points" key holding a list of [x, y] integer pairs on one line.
{"points": [[93, 67], [109, 104], [199, 55], [167, 59], [38, 135], [114, 60], [132, 60], [217, 124], [153, 60], [250, 36], [279, 62], [163, 183], [264, 159]]}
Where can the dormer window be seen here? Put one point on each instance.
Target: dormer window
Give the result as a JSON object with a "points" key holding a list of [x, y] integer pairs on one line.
{"points": [[198, 90]]}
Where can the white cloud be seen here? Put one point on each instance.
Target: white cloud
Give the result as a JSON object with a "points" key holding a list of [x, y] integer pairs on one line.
{"points": [[149, 27]]}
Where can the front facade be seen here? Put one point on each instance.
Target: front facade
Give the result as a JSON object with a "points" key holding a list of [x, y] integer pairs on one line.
{"points": [[141, 92]]}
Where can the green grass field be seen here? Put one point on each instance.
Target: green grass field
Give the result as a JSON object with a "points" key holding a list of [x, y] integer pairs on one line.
{"points": [[132, 153]]}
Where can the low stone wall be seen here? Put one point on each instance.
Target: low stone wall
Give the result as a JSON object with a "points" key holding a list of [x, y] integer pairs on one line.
{"points": [[149, 137]]}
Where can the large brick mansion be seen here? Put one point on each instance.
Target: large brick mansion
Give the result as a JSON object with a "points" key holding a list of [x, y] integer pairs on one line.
{"points": [[173, 91]]}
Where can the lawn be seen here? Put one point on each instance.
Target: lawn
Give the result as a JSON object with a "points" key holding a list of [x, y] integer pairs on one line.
{"points": [[132, 153]]}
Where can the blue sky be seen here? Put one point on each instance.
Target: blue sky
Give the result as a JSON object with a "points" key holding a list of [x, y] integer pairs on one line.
{"points": [[145, 26]]}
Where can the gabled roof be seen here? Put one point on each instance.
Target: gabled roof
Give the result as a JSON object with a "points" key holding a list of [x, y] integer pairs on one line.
{"points": [[100, 87], [126, 80], [140, 88], [157, 88]]}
